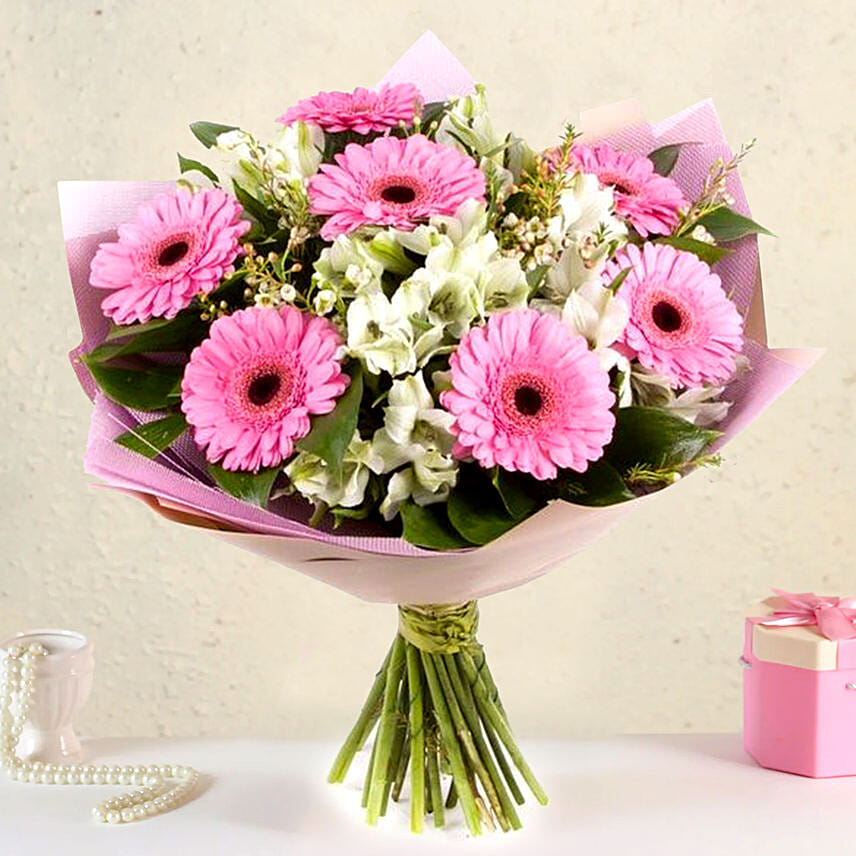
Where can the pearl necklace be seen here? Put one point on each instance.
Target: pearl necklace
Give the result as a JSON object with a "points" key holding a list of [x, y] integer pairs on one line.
{"points": [[156, 797]]}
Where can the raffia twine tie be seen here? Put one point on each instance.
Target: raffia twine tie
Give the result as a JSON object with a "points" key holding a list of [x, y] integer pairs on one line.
{"points": [[442, 628]]}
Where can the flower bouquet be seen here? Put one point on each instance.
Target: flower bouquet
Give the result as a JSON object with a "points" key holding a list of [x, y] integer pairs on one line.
{"points": [[410, 355]]}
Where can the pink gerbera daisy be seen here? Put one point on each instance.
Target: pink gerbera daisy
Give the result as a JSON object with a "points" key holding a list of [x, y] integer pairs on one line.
{"points": [[361, 111], [393, 182], [681, 324], [651, 202], [528, 395], [180, 245], [250, 387]]}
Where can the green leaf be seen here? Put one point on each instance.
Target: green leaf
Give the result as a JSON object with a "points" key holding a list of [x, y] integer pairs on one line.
{"points": [[535, 277], [601, 484], [151, 438], [709, 253], [332, 432], [518, 492], [619, 278], [137, 388], [119, 331], [182, 333], [647, 435], [475, 510], [207, 132], [254, 488], [665, 158], [428, 526], [432, 112], [255, 208], [188, 164], [725, 224]]}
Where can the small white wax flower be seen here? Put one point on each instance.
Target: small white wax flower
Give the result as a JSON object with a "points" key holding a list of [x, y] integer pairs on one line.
{"points": [[324, 301]]}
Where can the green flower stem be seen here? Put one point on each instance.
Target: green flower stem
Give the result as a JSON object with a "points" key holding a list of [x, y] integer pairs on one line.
{"points": [[436, 713], [367, 781], [467, 739], [490, 712], [495, 742], [485, 674], [386, 731], [434, 787], [362, 728], [495, 786], [401, 772], [417, 741], [450, 744], [397, 743]]}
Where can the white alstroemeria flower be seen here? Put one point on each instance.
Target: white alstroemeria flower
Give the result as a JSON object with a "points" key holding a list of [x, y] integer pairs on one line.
{"points": [[593, 311], [415, 432], [412, 424], [311, 477], [466, 226], [296, 151], [650, 389], [589, 231], [348, 268], [585, 205], [293, 155], [380, 336], [426, 481], [468, 121], [385, 248], [700, 406], [503, 285]]}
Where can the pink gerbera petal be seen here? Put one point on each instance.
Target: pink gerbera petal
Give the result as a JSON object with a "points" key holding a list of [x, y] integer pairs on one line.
{"points": [[651, 202], [528, 395], [248, 390], [682, 324], [180, 245], [361, 111], [393, 182]]}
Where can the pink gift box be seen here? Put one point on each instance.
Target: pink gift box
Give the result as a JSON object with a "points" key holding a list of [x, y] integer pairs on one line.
{"points": [[799, 691]]}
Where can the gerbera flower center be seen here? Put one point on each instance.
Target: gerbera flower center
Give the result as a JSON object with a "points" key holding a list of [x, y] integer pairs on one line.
{"points": [[619, 182], [398, 193], [263, 389], [527, 399], [170, 255], [666, 316], [398, 190], [173, 253]]}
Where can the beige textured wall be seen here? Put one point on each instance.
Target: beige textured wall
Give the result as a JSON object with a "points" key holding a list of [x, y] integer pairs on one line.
{"points": [[641, 632]]}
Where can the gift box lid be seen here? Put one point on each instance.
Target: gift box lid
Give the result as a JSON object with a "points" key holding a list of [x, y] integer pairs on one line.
{"points": [[803, 645]]}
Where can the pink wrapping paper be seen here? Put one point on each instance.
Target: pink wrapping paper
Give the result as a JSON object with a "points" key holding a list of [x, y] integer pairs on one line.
{"points": [[359, 558]]}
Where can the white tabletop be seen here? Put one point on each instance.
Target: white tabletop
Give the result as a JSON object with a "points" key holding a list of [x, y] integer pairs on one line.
{"points": [[661, 795]]}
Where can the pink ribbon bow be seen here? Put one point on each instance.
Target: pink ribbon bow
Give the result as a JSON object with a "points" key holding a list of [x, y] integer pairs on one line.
{"points": [[835, 617]]}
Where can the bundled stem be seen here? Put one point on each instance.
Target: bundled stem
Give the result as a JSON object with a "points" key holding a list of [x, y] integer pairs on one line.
{"points": [[438, 713]]}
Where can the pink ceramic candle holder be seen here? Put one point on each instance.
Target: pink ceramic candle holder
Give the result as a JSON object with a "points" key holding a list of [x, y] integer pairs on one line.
{"points": [[61, 685]]}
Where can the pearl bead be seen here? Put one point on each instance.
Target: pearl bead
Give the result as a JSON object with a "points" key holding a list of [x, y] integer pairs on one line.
{"points": [[17, 676]]}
